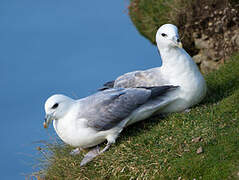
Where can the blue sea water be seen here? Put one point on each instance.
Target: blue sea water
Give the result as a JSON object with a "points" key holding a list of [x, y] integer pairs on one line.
{"points": [[47, 47]]}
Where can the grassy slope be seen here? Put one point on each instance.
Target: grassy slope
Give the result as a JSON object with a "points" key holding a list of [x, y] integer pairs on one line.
{"points": [[163, 148], [189, 15], [149, 15]]}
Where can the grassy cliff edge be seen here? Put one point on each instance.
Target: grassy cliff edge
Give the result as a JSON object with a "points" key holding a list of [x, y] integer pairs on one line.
{"points": [[201, 144]]}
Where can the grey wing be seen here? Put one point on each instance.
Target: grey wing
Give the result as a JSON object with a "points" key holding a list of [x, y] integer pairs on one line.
{"points": [[148, 78], [108, 109], [107, 85]]}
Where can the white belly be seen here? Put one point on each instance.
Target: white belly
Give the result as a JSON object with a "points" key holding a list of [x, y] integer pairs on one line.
{"points": [[77, 137]]}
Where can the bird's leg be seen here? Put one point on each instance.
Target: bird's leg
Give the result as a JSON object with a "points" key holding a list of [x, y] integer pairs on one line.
{"points": [[90, 155], [106, 147], [76, 151]]}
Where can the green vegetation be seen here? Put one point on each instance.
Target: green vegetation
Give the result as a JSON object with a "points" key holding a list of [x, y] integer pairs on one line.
{"points": [[149, 15], [195, 18], [166, 148]]}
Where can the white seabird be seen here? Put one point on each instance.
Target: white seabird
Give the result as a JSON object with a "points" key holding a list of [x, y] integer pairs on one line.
{"points": [[177, 69], [102, 116]]}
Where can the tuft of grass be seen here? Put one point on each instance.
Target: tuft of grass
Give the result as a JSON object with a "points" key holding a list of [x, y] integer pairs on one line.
{"points": [[166, 148]]}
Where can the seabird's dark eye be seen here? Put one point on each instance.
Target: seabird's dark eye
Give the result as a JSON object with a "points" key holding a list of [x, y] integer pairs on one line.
{"points": [[55, 106], [164, 35]]}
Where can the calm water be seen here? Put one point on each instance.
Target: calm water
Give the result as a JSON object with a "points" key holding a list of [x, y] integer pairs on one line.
{"points": [[57, 46]]}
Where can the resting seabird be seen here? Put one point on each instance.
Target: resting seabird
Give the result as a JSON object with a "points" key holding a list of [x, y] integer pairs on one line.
{"points": [[177, 69], [102, 116]]}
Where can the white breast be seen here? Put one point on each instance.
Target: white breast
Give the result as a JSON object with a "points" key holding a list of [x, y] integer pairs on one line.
{"points": [[73, 132], [183, 72]]}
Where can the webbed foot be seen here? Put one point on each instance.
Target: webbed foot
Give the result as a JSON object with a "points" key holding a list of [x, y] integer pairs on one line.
{"points": [[93, 153], [90, 155]]}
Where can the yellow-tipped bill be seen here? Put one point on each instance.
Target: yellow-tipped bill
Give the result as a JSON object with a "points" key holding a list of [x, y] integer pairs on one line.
{"points": [[180, 45], [45, 125], [48, 120]]}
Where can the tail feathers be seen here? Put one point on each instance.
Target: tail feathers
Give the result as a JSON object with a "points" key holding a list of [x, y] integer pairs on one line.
{"points": [[107, 85]]}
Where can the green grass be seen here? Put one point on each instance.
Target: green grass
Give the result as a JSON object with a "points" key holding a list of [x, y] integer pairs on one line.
{"points": [[149, 15], [189, 15], [162, 148]]}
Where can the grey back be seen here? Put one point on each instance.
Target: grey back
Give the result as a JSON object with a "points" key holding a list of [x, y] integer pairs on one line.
{"points": [[106, 109]]}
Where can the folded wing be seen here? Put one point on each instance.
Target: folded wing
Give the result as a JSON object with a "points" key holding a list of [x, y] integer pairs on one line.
{"points": [[106, 109], [148, 78]]}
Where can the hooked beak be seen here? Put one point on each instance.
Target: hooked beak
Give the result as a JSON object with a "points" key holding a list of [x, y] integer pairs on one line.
{"points": [[48, 120]]}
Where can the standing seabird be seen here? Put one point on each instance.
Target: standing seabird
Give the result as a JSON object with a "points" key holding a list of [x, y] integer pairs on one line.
{"points": [[177, 69]]}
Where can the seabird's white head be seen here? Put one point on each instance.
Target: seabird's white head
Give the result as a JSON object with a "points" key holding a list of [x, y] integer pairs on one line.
{"points": [[167, 37], [56, 107]]}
